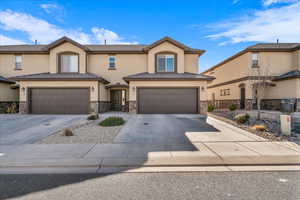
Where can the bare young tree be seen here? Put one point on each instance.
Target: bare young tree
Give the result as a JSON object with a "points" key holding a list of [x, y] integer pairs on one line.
{"points": [[259, 80]]}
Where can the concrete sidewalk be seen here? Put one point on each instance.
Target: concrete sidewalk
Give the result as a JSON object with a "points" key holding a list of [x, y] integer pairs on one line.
{"points": [[129, 155], [229, 147]]}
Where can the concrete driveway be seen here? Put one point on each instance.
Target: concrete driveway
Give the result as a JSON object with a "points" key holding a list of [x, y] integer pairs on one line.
{"points": [[27, 129], [162, 129], [178, 130]]}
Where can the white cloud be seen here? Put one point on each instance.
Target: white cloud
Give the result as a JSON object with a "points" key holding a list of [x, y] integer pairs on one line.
{"points": [[9, 41], [271, 2], [49, 7], [263, 26], [111, 37], [44, 32]]}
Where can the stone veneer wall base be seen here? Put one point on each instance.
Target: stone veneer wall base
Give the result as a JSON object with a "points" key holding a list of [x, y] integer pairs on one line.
{"points": [[94, 106], [104, 106], [132, 107], [23, 107]]}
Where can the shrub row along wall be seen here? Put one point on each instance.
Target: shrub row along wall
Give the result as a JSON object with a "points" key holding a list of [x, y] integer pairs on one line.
{"points": [[9, 107]]}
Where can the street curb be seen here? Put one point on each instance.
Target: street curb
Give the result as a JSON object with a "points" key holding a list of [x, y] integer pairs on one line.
{"points": [[116, 170]]}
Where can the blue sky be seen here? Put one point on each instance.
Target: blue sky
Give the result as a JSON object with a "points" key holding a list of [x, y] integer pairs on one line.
{"points": [[221, 27]]}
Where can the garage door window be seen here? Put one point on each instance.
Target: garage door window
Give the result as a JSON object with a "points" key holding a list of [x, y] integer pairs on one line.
{"points": [[69, 63], [165, 63]]}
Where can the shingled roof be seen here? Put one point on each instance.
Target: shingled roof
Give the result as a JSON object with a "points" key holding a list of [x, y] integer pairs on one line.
{"points": [[95, 48], [167, 76], [6, 80], [60, 76], [275, 46], [288, 75]]}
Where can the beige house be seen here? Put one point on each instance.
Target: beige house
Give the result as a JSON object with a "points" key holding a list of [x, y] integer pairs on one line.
{"points": [[68, 77], [270, 72]]}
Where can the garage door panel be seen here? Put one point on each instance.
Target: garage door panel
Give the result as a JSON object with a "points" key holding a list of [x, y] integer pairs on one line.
{"points": [[59, 100], [167, 100]]}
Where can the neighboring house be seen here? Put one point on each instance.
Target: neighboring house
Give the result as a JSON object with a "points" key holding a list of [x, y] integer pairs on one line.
{"points": [[276, 66], [70, 78]]}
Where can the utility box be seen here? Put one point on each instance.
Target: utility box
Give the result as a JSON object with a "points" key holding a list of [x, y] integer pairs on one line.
{"points": [[285, 124]]}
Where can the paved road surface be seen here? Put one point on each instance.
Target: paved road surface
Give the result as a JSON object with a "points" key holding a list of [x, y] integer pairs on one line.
{"points": [[209, 185]]}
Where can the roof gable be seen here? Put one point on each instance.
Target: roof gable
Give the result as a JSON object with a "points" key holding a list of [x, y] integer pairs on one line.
{"points": [[63, 40], [170, 40]]}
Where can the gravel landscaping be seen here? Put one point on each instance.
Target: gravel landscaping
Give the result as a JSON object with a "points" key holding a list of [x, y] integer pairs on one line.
{"points": [[90, 132], [273, 127]]}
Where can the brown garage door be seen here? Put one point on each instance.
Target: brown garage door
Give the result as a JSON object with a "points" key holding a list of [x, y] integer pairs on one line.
{"points": [[167, 100], [59, 100]]}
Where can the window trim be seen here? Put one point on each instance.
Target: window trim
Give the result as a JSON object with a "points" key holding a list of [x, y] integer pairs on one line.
{"points": [[114, 67], [166, 53], [59, 61], [225, 92], [256, 65], [16, 62]]}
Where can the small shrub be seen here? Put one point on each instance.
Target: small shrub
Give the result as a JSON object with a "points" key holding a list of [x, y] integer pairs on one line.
{"points": [[67, 132], [232, 107], [259, 128], [93, 116], [11, 109], [112, 121], [242, 118], [210, 108]]}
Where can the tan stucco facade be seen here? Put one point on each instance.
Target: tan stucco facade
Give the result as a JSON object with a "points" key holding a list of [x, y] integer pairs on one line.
{"points": [[98, 63], [126, 64], [166, 47], [7, 94], [238, 70], [67, 47], [31, 64]]}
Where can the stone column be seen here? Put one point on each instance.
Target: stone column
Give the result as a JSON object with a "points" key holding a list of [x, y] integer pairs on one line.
{"points": [[132, 106], [297, 105], [203, 107], [23, 107], [248, 104], [94, 106]]}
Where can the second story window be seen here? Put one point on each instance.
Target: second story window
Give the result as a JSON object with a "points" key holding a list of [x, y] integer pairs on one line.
{"points": [[165, 63], [68, 63], [254, 60], [18, 62], [112, 62]]}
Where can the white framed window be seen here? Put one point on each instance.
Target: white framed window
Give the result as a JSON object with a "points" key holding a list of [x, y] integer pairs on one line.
{"points": [[18, 62], [255, 58], [112, 61], [165, 63], [69, 63], [225, 92]]}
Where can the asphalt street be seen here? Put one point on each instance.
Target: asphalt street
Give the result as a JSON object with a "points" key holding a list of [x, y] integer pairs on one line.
{"points": [[200, 185]]}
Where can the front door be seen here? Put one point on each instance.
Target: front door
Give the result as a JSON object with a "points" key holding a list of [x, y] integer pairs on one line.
{"points": [[243, 97], [118, 101]]}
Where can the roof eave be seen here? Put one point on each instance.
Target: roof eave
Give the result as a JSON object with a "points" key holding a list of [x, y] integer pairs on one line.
{"points": [[167, 79], [102, 80]]}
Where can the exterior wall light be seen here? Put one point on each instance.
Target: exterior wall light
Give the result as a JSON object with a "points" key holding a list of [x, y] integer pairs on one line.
{"points": [[202, 88], [92, 88]]}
